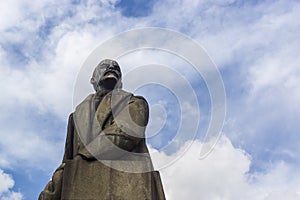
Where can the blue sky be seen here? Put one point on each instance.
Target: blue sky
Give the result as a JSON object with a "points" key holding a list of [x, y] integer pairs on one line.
{"points": [[254, 45]]}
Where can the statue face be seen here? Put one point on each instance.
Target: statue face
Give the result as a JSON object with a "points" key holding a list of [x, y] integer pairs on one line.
{"points": [[106, 75]]}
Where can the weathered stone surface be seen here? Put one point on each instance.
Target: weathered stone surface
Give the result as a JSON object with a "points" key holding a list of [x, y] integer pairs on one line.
{"points": [[118, 184], [106, 156]]}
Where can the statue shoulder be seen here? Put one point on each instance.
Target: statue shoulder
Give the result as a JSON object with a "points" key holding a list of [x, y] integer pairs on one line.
{"points": [[132, 96], [139, 99], [139, 110], [121, 92], [87, 100]]}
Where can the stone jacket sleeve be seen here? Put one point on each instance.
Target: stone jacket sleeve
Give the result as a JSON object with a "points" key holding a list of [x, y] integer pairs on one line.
{"points": [[122, 133]]}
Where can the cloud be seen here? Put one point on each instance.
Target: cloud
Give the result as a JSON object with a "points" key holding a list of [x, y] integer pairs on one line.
{"points": [[37, 94], [224, 174], [6, 184], [255, 45], [32, 149]]}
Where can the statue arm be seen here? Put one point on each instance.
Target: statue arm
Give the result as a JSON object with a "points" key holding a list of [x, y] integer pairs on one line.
{"points": [[68, 154], [125, 132]]}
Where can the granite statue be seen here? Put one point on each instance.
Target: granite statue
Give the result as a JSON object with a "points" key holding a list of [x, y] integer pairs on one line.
{"points": [[106, 156]]}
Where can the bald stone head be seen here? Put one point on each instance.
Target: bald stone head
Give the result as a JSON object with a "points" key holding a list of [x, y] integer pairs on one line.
{"points": [[107, 76]]}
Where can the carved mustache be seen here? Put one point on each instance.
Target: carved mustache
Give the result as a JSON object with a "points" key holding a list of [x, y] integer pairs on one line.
{"points": [[111, 71]]}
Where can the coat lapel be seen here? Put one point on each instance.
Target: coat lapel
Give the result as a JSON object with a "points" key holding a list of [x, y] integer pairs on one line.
{"points": [[111, 104], [88, 123], [82, 118]]}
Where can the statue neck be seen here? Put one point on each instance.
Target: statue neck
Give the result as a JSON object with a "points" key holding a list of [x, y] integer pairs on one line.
{"points": [[99, 96]]}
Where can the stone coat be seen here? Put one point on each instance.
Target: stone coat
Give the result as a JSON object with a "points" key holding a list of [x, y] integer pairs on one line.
{"points": [[106, 156]]}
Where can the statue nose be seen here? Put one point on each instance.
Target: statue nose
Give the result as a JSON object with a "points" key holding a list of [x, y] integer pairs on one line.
{"points": [[110, 67]]}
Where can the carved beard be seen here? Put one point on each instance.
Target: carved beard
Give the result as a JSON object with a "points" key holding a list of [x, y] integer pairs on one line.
{"points": [[107, 83], [109, 79]]}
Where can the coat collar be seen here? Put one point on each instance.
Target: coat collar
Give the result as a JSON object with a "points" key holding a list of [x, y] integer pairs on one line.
{"points": [[89, 123]]}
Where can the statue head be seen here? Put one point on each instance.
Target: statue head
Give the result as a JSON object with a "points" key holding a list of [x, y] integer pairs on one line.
{"points": [[107, 76]]}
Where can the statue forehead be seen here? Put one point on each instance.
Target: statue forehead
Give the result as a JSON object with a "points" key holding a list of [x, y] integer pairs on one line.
{"points": [[101, 67], [108, 62]]}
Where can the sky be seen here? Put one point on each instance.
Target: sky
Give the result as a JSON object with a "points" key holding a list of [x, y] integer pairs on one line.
{"points": [[253, 45]]}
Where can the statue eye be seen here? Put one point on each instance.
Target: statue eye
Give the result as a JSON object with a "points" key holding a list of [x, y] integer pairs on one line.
{"points": [[104, 66], [117, 67]]}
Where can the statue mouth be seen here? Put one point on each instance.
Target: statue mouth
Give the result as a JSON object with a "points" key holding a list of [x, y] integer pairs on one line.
{"points": [[109, 79], [111, 73]]}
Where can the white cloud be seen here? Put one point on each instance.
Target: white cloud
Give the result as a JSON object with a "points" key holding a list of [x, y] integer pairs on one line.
{"points": [[267, 67], [280, 182], [44, 85], [13, 196], [224, 174], [32, 149], [6, 184], [10, 13], [256, 46], [47, 80]]}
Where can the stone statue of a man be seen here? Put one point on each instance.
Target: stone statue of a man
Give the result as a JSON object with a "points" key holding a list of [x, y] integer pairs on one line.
{"points": [[106, 156]]}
